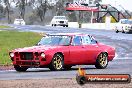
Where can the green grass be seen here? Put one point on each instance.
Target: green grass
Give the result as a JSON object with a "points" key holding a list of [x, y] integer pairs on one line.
{"points": [[13, 39], [3, 26]]}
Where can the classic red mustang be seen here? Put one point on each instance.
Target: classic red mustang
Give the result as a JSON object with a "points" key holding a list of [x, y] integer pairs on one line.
{"points": [[62, 51]]}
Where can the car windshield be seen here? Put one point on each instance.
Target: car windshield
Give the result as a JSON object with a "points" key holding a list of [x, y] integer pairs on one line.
{"points": [[55, 40], [130, 22], [18, 19], [127, 21], [60, 17]]}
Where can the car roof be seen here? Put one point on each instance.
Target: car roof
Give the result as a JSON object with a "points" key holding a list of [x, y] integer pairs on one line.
{"points": [[59, 16], [69, 34], [18, 19]]}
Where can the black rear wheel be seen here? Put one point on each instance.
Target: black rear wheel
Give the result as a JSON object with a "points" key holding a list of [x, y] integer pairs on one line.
{"points": [[20, 68], [101, 61], [123, 31], [56, 63]]}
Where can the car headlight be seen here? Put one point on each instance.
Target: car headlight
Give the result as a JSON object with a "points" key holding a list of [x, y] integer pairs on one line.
{"points": [[12, 54], [42, 55]]}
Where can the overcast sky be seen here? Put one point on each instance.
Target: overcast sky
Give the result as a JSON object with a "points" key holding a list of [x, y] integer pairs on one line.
{"points": [[127, 4]]}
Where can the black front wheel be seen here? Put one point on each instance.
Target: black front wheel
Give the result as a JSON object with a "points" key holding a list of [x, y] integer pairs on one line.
{"points": [[56, 63], [20, 69], [101, 61], [117, 31]]}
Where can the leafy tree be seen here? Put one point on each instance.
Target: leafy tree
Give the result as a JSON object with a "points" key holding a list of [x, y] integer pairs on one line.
{"points": [[42, 7], [2, 13], [60, 7], [41, 10], [21, 4], [7, 9]]}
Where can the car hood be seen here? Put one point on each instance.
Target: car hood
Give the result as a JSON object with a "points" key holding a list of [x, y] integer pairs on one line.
{"points": [[35, 48]]}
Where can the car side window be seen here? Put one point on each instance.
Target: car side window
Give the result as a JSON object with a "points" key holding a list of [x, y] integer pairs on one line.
{"points": [[86, 40], [93, 41], [76, 40]]}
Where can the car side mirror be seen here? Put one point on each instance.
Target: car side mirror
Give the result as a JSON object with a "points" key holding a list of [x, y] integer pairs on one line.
{"points": [[96, 41], [37, 44]]}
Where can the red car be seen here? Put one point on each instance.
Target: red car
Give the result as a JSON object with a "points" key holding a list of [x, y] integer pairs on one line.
{"points": [[62, 51]]}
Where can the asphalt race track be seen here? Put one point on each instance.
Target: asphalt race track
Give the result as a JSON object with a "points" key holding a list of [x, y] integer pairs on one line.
{"points": [[122, 63]]}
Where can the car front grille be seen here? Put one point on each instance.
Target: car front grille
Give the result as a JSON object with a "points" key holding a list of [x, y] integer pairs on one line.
{"points": [[27, 63], [26, 56], [61, 21]]}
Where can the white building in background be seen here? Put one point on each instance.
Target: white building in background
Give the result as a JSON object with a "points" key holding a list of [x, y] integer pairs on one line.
{"points": [[81, 1], [89, 2]]}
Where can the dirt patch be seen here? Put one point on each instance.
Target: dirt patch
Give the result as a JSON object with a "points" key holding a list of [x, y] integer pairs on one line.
{"points": [[55, 83]]}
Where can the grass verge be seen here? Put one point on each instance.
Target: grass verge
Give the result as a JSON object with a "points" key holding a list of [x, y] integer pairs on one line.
{"points": [[3, 26], [13, 39]]}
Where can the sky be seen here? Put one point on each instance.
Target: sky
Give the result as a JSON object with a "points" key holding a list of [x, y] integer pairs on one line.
{"points": [[126, 4]]}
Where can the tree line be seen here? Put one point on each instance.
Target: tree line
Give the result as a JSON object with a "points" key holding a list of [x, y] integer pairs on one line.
{"points": [[38, 11], [38, 8]]}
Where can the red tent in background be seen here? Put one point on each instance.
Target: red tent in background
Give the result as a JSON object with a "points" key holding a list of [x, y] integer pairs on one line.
{"points": [[77, 7]]}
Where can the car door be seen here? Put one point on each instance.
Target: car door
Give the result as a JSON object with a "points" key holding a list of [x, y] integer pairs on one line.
{"points": [[91, 49], [121, 25], [76, 51]]}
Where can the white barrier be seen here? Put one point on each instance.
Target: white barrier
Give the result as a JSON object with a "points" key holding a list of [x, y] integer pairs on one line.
{"points": [[73, 24], [92, 25], [98, 26]]}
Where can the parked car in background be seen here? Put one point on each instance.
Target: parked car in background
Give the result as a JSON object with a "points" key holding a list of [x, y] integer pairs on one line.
{"points": [[59, 21], [19, 22], [124, 26], [62, 51]]}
